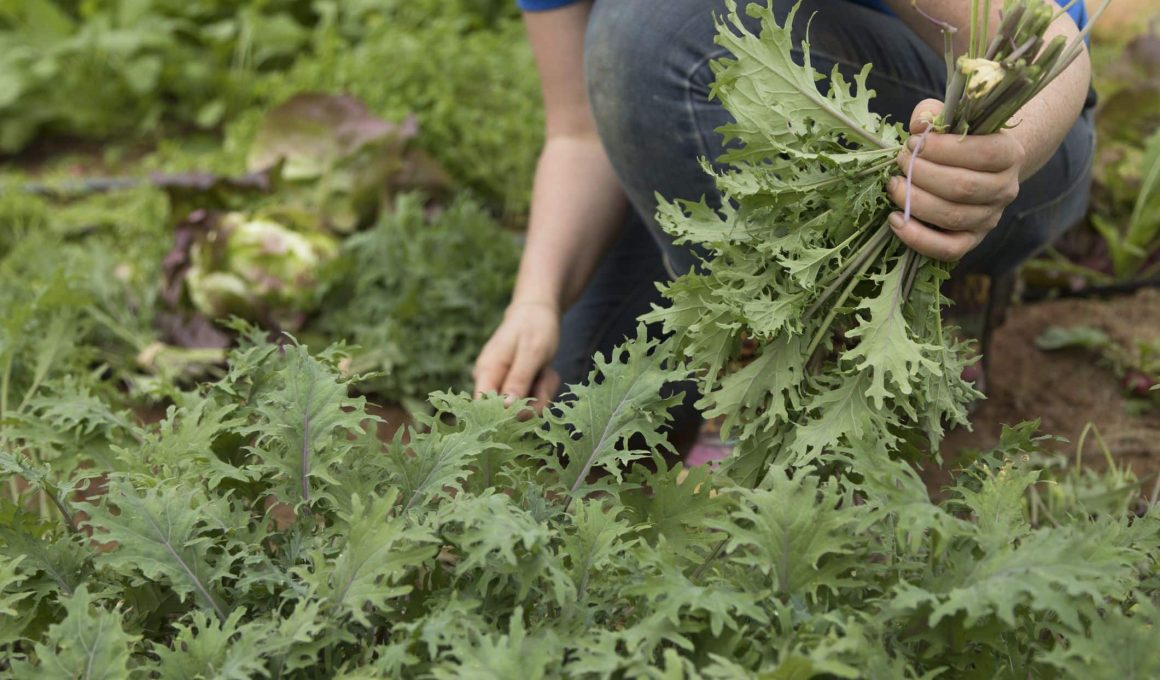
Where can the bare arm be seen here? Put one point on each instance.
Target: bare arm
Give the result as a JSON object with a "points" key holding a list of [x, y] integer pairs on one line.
{"points": [[577, 203], [1042, 124], [577, 208], [963, 184]]}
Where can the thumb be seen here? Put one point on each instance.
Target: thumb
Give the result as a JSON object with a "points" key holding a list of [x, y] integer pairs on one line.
{"points": [[926, 111]]}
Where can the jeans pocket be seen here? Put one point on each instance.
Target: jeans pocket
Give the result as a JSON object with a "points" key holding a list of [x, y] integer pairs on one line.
{"points": [[1039, 225]]}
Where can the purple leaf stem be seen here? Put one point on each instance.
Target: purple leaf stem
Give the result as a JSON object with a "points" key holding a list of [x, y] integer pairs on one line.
{"points": [[910, 172], [948, 28]]}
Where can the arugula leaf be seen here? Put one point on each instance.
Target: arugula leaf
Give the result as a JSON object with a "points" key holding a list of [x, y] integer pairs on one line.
{"points": [[306, 419], [88, 643], [1125, 644], [613, 419], [762, 78], [375, 554], [56, 560], [515, 653], [1062, 571], [672, 506], [10, 577], [206, 646], [886, 349], [436, 460], [162, 534], [802, 553]]}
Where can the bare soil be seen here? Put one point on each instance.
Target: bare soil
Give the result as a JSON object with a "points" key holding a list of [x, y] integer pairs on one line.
{"points": [[1068, 389]]}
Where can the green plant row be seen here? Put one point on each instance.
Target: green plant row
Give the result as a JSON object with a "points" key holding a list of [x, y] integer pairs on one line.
{"points": [[261, 529], [414, 296]]}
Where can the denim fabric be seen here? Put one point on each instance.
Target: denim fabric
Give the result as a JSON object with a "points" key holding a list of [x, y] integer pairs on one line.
{"points": [[647, 64], [1077, 10]]}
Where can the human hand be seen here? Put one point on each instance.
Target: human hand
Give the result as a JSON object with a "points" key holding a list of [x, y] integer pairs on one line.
{"points": [[961, 185], [515, 361]]}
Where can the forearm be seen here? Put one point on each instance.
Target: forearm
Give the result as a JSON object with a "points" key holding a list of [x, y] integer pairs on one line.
{"points": [[1043, 122], [577, 209], [1041, 125]]}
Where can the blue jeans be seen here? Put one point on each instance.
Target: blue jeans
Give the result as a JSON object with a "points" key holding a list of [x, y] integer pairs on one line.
{"points": [[647, 64]]}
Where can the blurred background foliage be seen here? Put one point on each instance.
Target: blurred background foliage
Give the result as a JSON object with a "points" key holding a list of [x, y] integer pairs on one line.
{"points": [[1118, 246], [160, 71], [162, 100]]}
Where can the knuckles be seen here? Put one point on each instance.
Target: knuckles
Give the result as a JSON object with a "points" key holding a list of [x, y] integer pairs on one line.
{"points": [[956, 218], [1017, 152], [487, 367], [970, 190], [1010, 192], [988, 155], [954, 252], [539, 345]]}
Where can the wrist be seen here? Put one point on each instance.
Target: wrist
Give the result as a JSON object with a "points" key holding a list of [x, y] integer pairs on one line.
{"points": [[1024, 168], [548, 304]]}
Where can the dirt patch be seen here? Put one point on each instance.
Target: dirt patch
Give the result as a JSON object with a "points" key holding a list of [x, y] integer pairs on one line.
{"points": [[1068, 389], [393, 418]]}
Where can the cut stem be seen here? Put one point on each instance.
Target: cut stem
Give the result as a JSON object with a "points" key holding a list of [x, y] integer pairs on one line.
{"points": [[868, 249], [881, 241]]}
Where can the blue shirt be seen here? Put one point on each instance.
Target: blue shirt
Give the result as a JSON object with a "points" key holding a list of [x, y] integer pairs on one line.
{"points": [[1077, 10]]}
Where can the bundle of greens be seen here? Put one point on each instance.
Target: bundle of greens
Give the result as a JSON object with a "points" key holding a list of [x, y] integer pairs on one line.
{"points": [[854, 355], [996, 77]]}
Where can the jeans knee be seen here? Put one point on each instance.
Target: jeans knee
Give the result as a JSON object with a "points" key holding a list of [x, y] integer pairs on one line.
{"points": [[613, 66]]}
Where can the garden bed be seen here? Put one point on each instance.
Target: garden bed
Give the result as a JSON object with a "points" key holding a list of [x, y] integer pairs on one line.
{"points": [[1066, 390]]}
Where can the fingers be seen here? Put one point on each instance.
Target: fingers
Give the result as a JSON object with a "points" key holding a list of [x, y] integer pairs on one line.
{"points": [[546, 387], [512, 361], [947, 246], [984, 153], [926, 111], [492, 365], [543, 392], [960, 185], [938, 211], [955, 184], [493, 374], [524, 369]]}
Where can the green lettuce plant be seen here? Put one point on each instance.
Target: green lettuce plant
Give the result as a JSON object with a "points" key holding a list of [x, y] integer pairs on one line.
{"points": [[329, 154], [263, 267]]}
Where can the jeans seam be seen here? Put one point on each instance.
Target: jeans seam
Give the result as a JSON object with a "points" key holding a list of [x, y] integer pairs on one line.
{"points": [[691, 107]]}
